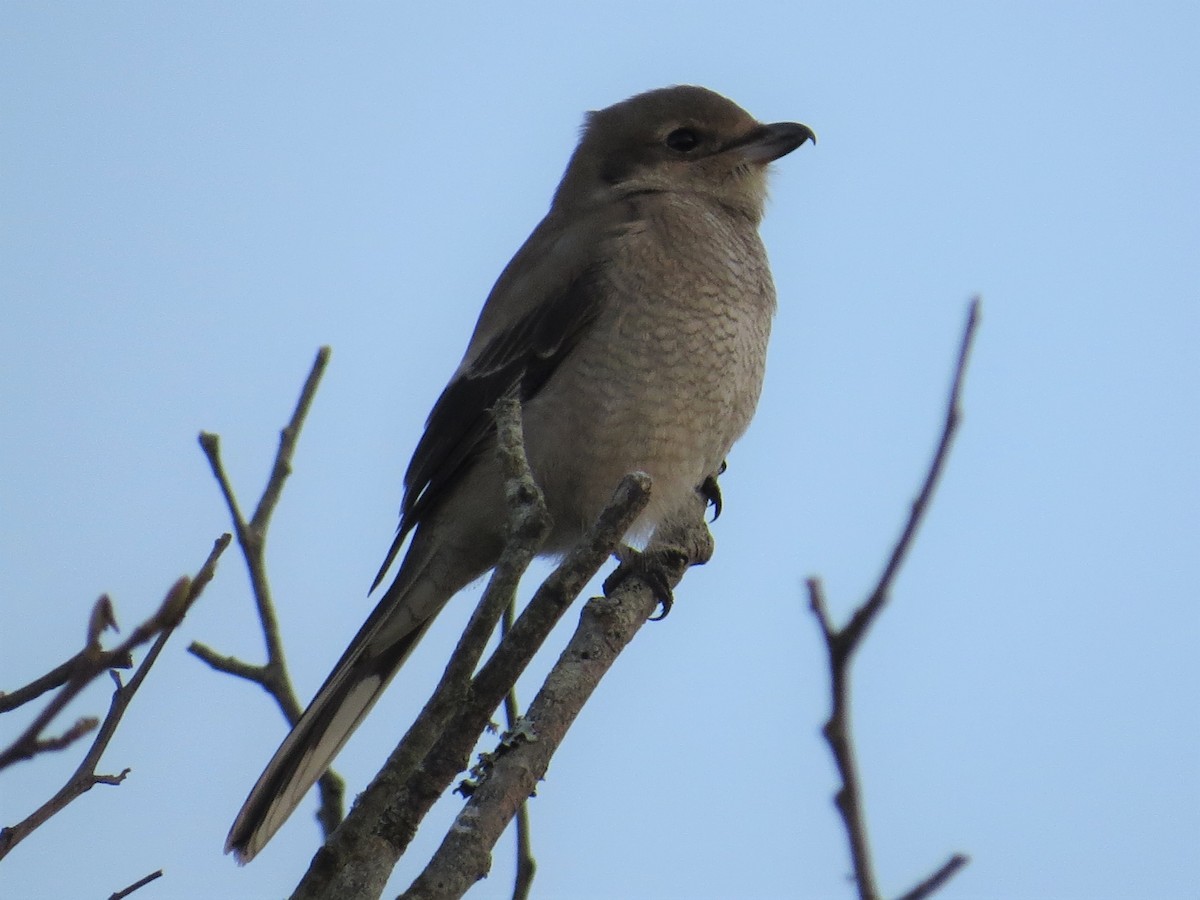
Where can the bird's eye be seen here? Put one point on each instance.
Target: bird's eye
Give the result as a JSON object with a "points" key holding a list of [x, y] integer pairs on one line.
{"points": [[683, 140]]}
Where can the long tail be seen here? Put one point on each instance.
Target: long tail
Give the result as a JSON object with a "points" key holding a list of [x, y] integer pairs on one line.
{"points": [[443, 557], [340, 705]]}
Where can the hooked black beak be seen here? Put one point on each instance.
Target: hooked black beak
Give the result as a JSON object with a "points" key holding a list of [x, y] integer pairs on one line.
{"points": [[767, 143]]}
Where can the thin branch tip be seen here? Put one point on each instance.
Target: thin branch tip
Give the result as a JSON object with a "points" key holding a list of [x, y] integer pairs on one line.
{"points": [[938, 879], [140, 883], [841, 644], [81, 671], [272, 676], [103, 618]]}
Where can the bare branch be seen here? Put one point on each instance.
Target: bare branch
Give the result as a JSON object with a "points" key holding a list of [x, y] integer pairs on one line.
{"points": [[841, 645], [528, 524], [526, 863], [101, 617], [865, 615], [230, 665], [160, 626], [606, 627], [272, 675], [82, 726], [56, 677], [935, 881], [169, 614], [837, 734], [357, 860], [287, 443], [140, 883]]}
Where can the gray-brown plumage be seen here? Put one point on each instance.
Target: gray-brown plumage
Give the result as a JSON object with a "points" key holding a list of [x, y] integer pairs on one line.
{"points": [[635, 321]]}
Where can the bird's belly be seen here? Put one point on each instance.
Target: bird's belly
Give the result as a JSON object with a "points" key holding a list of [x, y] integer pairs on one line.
{"points": [[665, 395]]}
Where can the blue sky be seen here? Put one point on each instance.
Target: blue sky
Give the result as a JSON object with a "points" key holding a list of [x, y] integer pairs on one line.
{"points": [[194, 197]]}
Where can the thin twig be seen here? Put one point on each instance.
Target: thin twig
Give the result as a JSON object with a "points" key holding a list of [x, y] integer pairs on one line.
{"points": [[140, 883], [842, 643], [168, 615], [56, 677], [161, 625], [272, 675], [100, 620], [935, 881], [526, 863], [865, 615], [84, 725]]}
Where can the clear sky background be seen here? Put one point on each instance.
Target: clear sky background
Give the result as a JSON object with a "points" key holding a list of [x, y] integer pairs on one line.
{"points": [[195, 196]]}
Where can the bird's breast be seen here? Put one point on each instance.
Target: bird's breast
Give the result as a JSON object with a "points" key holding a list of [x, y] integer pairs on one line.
{"points": [[668, 376]]}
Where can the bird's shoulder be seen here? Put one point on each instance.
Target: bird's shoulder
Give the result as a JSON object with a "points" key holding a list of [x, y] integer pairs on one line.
{"points": [[541, 305], [551, 272]]}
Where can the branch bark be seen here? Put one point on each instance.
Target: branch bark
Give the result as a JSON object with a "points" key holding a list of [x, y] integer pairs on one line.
{"points": [[358, 858], [606, 627]]}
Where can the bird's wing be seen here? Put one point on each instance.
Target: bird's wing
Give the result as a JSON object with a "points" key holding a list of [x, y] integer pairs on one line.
{"points": [[543, 302]]}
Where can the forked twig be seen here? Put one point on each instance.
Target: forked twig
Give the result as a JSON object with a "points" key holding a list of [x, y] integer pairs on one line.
{"points": [[92, 663], [272, 675], [841, 644]]}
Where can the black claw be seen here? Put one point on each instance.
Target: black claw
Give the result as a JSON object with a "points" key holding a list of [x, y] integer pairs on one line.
{"points": [[662, 593], [645, 567], [711, 491], [666, 602]]}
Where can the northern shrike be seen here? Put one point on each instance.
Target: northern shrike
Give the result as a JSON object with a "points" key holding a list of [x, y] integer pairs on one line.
{"points": [[634, 323]]}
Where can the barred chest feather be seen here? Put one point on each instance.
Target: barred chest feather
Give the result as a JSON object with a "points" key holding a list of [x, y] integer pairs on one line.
{"points": [[672, 369]]}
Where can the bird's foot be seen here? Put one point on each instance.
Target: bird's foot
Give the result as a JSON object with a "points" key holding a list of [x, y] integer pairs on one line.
{"points": [[653, 567]]}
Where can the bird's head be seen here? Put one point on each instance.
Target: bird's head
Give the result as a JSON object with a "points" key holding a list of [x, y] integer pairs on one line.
{"points": [[677, 139]]}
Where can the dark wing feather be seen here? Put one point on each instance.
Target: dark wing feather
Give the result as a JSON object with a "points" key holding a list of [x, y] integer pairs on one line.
{"points": [[524, 352]]}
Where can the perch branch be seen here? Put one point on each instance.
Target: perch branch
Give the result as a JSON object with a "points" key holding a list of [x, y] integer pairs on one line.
{"points": [[359, 857], [511, 774]]}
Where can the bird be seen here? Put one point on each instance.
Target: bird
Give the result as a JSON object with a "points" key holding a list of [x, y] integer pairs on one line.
{"points": [[633, 326]]}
